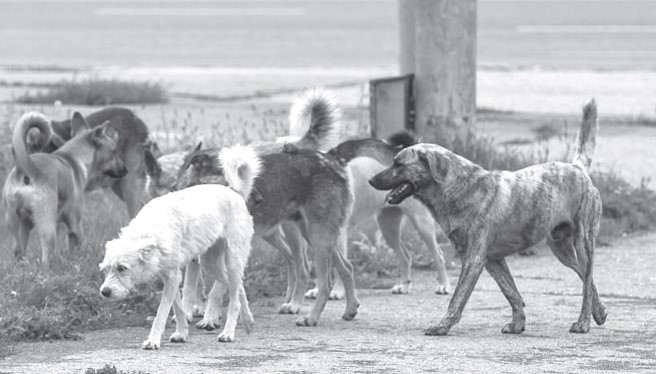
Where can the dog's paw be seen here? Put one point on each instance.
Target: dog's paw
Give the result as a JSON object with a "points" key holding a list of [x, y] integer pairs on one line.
{"points": [[248, 324], [312, 294], [198, 310], [178, 337], [207, 325], [150, 345], [600, 316], [349, 315], [437, 330], [306, 321], [579, 327], [401, 289], [289, 308], [225, 337], [442, 289], [336, 295], [513, 328]]}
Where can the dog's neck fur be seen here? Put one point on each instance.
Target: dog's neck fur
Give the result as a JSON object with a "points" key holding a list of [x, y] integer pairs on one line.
{"points": [[455, 193], [80, 154]]}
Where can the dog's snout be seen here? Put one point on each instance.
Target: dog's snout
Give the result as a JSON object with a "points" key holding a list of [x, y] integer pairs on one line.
{"points": [[106, 292]]}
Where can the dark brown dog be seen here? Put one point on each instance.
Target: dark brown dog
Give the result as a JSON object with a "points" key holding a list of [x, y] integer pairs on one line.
{"points": [[132, 136], [46, 188], [491, 214]]}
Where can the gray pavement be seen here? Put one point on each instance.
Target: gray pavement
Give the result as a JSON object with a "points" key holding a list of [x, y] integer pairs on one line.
{"points": [[386, 336]]}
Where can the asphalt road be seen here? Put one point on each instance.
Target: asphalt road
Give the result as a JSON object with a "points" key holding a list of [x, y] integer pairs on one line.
{"points": [[360, 34], [386, 336]]}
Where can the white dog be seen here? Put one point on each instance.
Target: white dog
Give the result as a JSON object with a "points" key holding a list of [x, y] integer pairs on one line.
{"points": [[173, 229]]}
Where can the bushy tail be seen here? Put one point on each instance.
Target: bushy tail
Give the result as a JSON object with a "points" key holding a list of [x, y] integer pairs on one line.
{"points": [[241, 165], [315, 119], [27, 122], [586, 139], [402, 139]]}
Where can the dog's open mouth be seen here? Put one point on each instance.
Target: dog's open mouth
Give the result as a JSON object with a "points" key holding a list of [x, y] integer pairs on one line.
{"points": [[400, 193]]}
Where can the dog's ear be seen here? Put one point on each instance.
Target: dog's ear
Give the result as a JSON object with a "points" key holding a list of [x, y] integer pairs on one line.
{"points": [[198, 147], [153, 169], [438, 165], [145, 253], [78, 124], [106, 131]]}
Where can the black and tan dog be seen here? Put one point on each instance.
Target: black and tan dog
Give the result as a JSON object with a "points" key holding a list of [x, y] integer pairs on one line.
{"points": [[307, 189], [46, 188], [132, 136], [491, 214]]}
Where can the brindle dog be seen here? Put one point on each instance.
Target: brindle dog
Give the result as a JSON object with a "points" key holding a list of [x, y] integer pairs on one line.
{"points": [[491, 214]]}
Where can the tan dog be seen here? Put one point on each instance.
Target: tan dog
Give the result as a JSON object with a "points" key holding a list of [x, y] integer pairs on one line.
{"points": [[132, 139], [46, 188], [491, 214]]}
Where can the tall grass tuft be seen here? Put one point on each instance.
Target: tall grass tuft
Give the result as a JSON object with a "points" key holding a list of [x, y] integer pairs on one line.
{"points": [[98, 91]]}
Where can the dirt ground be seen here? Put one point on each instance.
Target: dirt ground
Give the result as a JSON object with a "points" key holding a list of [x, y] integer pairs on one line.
{"points": [[386, 336]]}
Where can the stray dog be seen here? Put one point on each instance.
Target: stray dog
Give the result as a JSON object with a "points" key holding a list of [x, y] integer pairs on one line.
{"points": [[367, 157], [132, 137], [491, 214], [317, 114], [309, 190], [46, 188], [173, 229]]}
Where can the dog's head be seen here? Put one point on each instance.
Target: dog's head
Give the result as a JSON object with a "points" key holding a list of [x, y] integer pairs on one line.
{"points": [[127, 263], [200, 167], [413, 169], [104, 139], [162, 172]]}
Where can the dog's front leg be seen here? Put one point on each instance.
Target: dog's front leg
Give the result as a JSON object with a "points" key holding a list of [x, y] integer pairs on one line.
{"points": [[171, 283], [472, 267], [181, 325]]}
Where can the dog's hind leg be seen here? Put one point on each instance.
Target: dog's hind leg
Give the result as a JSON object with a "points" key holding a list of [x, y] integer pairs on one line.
{"points": [[218, 274], [277, 240], [345, 270], [181, 325], [323, 264], [46, 227], [245, 312], [389, 221], [171, 285], [575, 249], [20, 228], [425, 225], [296, 244], [72, 221], [190, 288], [235, 271], [499, 270]]}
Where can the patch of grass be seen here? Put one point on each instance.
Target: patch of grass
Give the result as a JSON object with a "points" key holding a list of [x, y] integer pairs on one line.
{"points": [[98, 91], [112, 370]]}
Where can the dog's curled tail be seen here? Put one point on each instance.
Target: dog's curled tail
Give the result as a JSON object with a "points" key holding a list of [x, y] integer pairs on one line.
{"points": [[586, 139], [315, 119], [402, 139], [241, 165], [27, 122]]}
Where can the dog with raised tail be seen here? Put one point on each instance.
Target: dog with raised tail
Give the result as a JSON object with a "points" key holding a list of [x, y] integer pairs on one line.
{"points": [[489, 215], [45, 189], [211, 221]]}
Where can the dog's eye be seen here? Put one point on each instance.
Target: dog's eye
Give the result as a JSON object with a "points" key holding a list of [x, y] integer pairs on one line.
{"points": [[121, 268]]}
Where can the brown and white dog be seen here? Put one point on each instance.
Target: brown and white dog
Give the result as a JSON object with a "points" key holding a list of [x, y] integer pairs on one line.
{"points": [[46, 188], [491, 214]]}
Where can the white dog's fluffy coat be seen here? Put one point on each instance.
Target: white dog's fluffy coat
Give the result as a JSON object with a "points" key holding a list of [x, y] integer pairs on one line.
{"points": [[173, 229]]}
